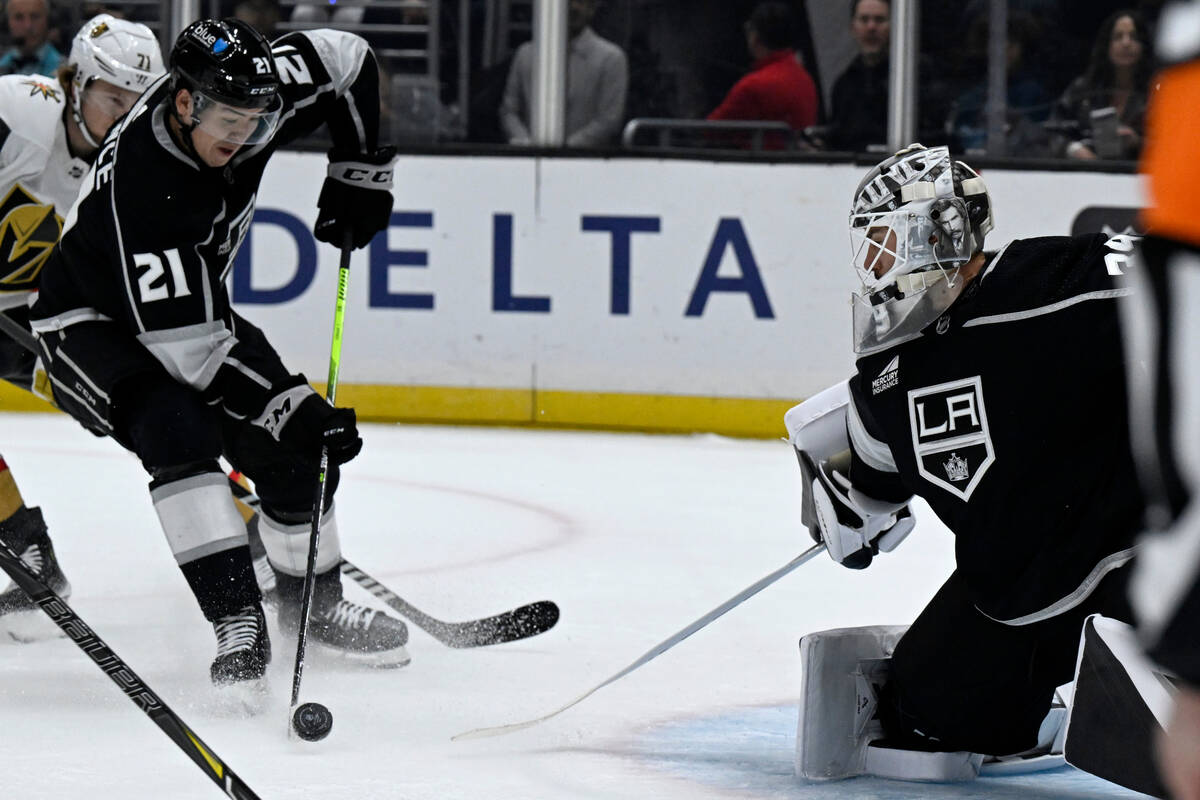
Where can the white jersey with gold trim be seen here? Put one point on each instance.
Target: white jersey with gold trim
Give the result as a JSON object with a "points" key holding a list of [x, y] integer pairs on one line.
{"points": [[39, 180]]}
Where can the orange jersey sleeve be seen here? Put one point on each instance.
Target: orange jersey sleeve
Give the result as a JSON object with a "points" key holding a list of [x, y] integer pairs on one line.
{"points": [[1171, 159]]}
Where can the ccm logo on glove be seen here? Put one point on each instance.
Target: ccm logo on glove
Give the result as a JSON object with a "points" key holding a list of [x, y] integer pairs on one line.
{"points": [[358, 174]]}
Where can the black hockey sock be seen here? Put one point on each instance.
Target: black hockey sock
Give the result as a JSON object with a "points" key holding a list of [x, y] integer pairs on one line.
{"points": [[222, 582], [326, 591]]}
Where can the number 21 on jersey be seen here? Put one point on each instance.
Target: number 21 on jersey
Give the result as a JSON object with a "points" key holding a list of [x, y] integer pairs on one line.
{"points": [[151, 287]]}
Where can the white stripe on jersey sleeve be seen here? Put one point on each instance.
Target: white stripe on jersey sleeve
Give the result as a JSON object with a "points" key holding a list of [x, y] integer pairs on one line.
{"points": [[341, 54], [874, 453]]}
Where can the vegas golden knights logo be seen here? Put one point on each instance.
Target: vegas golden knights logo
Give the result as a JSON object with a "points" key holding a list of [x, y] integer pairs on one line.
{"points": [[28, 232]]}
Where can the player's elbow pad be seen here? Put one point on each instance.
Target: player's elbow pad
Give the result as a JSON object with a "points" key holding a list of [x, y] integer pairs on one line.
{"points": [[853, 526]]}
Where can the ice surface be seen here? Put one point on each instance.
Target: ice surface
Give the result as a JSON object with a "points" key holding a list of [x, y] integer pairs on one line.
{"points": [[633, 536]]}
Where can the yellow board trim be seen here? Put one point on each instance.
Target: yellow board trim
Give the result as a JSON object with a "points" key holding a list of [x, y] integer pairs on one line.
{"points": [[728, 416]]}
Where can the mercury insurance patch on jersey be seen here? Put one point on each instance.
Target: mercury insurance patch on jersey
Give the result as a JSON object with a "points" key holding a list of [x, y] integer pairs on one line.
{"points": [[950, 436]]}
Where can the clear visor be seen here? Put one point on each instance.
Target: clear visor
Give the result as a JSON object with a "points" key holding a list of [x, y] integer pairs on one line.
{"points": [[235, 125], [923, 234], [107, 100], [886, 317]]}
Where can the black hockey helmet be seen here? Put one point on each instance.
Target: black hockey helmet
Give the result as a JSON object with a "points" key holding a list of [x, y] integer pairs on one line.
{"points": [[226, 59]]}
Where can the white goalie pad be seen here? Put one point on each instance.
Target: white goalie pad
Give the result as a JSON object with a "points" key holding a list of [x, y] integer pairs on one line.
{"points": [[838, 735], [840, 670], [818, 425]]}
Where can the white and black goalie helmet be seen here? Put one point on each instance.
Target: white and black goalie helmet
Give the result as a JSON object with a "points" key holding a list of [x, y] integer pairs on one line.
{"points": [[916, 219], [125, 54]]}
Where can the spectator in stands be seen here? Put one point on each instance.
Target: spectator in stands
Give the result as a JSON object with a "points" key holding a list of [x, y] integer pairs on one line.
{"points": [[1102, 112], [777, 88], [29, 27], [597, 81], [264, 15], [859, 100], [1027, 101]]}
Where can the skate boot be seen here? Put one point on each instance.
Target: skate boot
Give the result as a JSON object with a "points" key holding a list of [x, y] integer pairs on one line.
{"points": [[356, 632], [25, 532], [363, 634], [243, 647]]}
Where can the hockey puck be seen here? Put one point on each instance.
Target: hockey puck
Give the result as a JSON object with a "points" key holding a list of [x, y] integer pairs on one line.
{"points": [[312, 722]]}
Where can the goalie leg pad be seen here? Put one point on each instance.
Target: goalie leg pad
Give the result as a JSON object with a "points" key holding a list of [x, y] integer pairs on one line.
{"points": [[1121, 704], [840, 734], [841, 671]]}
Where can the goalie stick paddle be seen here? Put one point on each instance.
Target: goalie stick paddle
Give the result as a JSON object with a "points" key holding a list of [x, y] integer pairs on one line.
{"points": [[123, 675], [658, 649], [521, 622]]}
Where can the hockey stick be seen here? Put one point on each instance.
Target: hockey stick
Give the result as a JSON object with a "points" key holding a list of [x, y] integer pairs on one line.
{"points": [[14, 330], [314, 536], [507, 626], [521, 622], [658, 649], [123, 675]]}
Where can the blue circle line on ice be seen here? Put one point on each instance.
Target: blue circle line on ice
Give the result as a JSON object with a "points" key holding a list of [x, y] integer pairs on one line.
{"points": [[750, 751]]}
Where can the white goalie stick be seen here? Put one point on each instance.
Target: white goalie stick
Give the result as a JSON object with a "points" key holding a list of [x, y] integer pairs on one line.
{"points": [[658, 649], [521, 622]]}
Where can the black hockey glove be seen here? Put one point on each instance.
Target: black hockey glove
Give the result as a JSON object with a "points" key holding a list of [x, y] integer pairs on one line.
{"points": [[301, 419], [356, 197]]}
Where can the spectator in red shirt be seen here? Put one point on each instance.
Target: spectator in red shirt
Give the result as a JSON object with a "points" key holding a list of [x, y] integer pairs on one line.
{"points": [[777, 88]]}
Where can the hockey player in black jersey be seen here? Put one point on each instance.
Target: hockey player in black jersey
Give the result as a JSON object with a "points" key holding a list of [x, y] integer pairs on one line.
{"points": [[143, 345], [991, 385]]}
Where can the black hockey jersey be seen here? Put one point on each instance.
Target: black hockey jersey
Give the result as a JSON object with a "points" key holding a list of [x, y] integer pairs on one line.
{"points": [[1008, 416], [150, 241]]}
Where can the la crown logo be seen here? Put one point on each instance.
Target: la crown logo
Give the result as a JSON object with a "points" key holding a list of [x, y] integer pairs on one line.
{"points": [[956, 468]]}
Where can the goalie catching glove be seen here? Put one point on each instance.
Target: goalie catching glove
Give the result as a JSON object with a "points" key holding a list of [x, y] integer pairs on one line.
{"points": [[853, 527], [356, 198]]}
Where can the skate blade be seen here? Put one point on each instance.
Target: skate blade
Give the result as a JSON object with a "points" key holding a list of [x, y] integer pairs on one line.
{"points": [[241, 699], [386, 659], [27, 627]]}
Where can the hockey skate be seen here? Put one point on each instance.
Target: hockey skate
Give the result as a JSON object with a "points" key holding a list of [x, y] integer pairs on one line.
{"points": [[243, 653], [360, 634], [20, 618]]}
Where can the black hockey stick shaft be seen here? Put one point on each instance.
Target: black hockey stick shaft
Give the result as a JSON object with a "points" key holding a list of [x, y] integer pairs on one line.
{"points": [[123, 675], [521, 622], [16, 332], [314, 536]]}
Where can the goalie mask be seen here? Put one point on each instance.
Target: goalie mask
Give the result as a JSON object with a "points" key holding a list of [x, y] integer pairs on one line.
{"points": [[917, 218], [123, 55], [227, 67]]}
